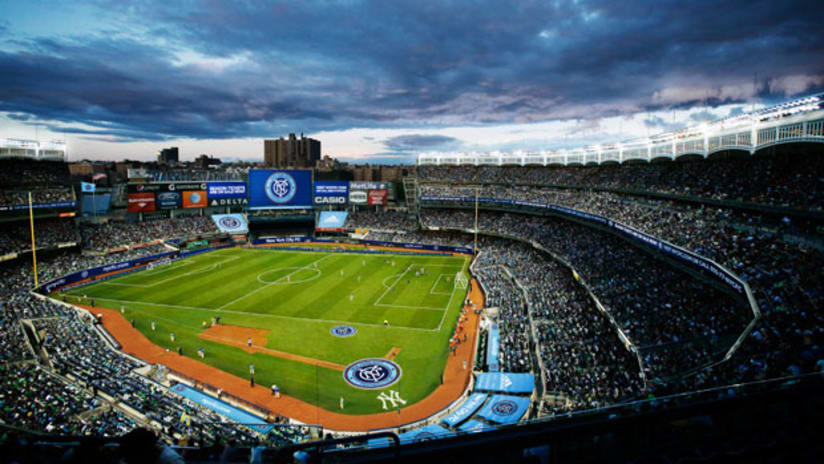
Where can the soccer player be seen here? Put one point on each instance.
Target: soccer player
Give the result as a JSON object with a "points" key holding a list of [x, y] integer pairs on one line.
{"points": [[351, 297], [386, 323]]}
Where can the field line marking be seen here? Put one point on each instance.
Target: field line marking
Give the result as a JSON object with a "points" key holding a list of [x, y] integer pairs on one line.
{"points": [[308, 266], [424, 308], [452, 296], [193, 272], [435, 283], [275, 316], [393, 284]]}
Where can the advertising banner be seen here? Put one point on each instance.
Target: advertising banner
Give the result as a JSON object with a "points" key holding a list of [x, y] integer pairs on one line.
{"points": [[505, 382], [228, 194], [331, 192], [358, 197], [168, 200], [472, 404], [377, 197], [94, 272], [57, 204], [331, 221], [141, 202], [231, 223], [268, 240], [367, 185], [503, 409], [492, 347], [280, 189], [194, 199], [165, 187], [227, 190]]}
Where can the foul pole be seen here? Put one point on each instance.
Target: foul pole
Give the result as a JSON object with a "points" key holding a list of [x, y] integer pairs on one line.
{"points": [[33, 246], [477, 189]]}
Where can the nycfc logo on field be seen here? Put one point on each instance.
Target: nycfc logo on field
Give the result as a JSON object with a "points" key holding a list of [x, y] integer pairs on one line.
{"points": [[504, 408], [343, 331], [372, 373], [281, 187], [230, 223]]}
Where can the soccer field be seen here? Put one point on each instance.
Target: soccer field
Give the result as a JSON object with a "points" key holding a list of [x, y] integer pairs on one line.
{"points": [[294, 299]]}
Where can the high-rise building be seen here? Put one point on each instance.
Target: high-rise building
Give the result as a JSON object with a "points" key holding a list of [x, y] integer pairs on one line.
{"points": [[168, 155], [293, 152]]}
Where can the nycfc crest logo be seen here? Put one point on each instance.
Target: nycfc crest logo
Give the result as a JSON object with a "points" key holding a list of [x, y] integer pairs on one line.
{"points": [[372, 373], [343, 331], [84, 274], [280, 187], [230, 222], [504, 408]]}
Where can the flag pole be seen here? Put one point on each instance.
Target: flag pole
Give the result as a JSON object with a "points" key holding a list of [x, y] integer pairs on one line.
{"points": [[33, 247]]}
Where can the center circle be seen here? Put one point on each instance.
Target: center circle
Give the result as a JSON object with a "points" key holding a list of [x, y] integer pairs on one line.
{"points": [[292, 280], [372, 373]]}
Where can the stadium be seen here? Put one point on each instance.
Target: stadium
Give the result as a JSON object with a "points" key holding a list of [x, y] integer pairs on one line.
{"points": [[667, 288], [533, 232]]}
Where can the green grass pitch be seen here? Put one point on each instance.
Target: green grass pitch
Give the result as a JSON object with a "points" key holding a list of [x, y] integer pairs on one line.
{"points": [[299, 296]]}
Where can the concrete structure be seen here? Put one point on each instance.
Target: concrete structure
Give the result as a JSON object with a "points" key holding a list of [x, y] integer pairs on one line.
{"points": [[797, 121], [54, 150]]}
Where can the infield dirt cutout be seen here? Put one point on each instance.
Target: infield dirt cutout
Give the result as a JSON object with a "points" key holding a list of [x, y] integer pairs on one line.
{"points": [[238, 336]]}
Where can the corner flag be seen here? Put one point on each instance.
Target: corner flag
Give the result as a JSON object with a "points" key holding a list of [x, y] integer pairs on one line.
{"points": [[87, 187]]}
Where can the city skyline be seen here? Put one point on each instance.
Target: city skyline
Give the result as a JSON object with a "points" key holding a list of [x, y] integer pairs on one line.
{"points": [[383, 82]]}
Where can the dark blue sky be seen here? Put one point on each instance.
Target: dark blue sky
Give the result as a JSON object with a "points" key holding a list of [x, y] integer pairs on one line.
{"points": [[385, 79]]}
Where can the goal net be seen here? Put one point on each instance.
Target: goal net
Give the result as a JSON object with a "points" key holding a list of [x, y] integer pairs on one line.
{"points": [[460, 280]]}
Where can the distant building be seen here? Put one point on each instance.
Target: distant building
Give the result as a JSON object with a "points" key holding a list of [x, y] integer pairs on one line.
{"points": [[16, 148], [168, 156], [293, 152], [205, 162]]}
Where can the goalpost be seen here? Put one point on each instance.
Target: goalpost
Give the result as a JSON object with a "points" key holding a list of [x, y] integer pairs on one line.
{"points": [[461, 281]]}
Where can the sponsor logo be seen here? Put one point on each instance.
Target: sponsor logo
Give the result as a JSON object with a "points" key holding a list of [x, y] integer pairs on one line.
{"points": [[343, 331], [330, 200], [194, 199], [372, 373], [230, 222], [229, 202], [280, 187], [504, 408], [357, 197], [84, 274]]}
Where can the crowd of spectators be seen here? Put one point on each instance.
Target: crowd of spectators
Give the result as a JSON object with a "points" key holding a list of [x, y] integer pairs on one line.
{"points": [[382, 220], [791, 180], [20, 197], [513, 320], [56, 385], [25, 174], [16, 236], [782, 275], [583, 358], [113, 234]]}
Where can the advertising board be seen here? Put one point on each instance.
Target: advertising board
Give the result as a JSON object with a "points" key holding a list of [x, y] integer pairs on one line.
{"points": [[377, 197], [141, 202], [194, 199], [331, 192]]}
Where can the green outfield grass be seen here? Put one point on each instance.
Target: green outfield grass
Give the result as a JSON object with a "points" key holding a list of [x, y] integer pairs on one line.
{"points": [[299, 296]]}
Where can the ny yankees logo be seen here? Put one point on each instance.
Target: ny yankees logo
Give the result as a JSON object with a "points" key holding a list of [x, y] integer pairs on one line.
{"points": [[393, 397]]}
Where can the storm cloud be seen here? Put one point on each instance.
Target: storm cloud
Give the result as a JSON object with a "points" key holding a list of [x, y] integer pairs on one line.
{"points": [[219, 69]]}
